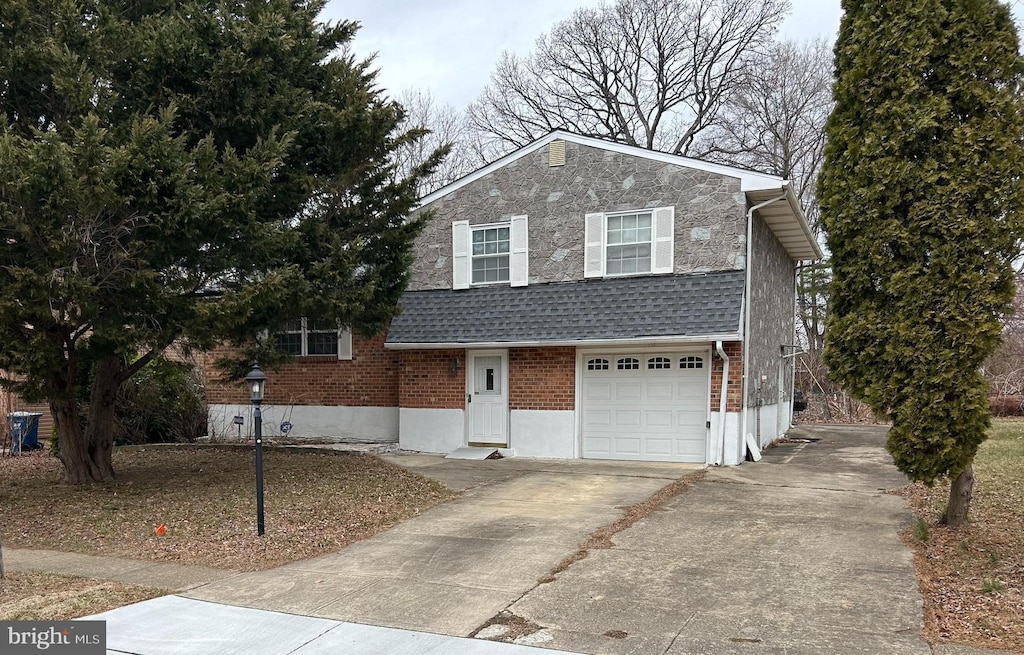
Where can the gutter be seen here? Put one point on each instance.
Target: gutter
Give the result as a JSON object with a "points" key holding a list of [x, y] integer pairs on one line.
{"points": [[628, 341], [722, 404], [746, 314]]}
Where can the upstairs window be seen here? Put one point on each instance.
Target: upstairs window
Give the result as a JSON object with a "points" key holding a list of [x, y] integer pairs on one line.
{"points": [[490, 254], [308, 338], [629, 242], [635, 242]]}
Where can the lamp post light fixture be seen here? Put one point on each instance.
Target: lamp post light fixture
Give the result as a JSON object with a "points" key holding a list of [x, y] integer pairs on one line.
{"points": [[256, 380]]}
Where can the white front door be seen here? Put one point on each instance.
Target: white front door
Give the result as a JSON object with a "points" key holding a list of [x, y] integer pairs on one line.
{"points": [[487, 398]]}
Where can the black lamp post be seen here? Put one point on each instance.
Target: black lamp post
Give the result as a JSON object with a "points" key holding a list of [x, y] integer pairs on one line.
{"points": [[255, 380]]}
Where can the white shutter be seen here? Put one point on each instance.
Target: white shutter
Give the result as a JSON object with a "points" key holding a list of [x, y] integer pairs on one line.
{"points": [[593, 246], [664, 243], [460, 254], [519, 260], [344, 344]]}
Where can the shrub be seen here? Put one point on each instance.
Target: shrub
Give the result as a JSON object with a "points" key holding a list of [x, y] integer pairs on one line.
{"points": [[161, 403]]}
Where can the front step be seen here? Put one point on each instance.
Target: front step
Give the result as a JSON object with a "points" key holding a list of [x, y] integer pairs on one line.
{"points": [[475, 452]]}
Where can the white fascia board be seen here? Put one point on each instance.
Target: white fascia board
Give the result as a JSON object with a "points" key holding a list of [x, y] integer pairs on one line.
{"points": [[749, 180], [580, 343], [801, 218]]}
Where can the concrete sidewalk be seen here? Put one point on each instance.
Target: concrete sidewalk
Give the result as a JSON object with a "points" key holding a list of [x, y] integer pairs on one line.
{"points": [[161, 575], [173, 625]]}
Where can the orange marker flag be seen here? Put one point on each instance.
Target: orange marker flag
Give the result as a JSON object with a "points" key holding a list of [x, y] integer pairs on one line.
{"points": [[160, 529]]}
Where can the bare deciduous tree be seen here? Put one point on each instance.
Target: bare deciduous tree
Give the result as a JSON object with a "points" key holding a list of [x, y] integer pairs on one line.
{"points": [[775, 122], [649, 73], [442, 126]]}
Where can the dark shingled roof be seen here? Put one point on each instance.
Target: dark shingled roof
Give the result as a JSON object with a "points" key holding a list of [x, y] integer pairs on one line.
{"points": [[617, 308]]}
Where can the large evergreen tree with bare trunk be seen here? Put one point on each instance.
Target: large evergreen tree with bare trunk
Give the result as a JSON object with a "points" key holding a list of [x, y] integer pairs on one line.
{"points": [[922, 199], [185, 172]]}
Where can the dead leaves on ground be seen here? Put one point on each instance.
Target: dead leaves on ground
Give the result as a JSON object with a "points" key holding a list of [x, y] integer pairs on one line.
{"points": [[972, 578], [315, 504]]}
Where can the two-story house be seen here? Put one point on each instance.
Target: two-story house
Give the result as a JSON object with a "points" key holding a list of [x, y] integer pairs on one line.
{"points": [[576, 298]]}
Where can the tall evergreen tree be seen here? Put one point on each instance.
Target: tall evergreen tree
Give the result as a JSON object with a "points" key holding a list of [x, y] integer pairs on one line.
{"points": [[922, 200], [188, 171]]}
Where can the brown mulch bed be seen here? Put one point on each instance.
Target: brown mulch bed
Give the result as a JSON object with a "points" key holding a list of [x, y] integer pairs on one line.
{"points": [[972, 578], [28, 596], [315, 504]]}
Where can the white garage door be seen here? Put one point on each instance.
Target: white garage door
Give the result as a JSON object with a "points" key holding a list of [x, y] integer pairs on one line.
{"points": [[646, 406]]}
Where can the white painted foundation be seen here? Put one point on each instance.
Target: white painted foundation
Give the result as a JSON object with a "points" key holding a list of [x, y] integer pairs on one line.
{"points": [[308, 421], [733, 438], [543, 433], [768, 430], [431, 430]]}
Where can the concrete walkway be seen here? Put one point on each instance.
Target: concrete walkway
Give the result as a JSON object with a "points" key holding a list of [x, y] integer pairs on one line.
{"points": [[161, 575]]}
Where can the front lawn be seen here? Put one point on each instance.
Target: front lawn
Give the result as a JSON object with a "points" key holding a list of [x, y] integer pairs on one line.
{"points": [[315, 504], [972, 579], [50, 597]]}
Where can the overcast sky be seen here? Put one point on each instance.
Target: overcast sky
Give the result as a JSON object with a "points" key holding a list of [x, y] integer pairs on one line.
{"points": [[449, 47]]}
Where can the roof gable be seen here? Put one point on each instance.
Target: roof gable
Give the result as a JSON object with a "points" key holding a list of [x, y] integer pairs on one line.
{"points": [[799, 240], [749, 180]]}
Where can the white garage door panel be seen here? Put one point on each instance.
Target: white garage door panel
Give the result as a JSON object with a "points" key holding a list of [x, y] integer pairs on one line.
{"points": [[645, 414]]}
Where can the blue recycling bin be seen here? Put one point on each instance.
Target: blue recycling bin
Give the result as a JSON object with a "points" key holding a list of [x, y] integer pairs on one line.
{"points": [[25, 424]]}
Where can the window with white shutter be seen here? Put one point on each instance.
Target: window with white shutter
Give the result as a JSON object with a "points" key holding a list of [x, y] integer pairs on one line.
{"points": [[460, 254], [495, 253], [519, 261], [637, 242]]}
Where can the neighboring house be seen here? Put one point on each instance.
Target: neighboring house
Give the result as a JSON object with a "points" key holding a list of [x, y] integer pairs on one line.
{"points": [[576, 298]]}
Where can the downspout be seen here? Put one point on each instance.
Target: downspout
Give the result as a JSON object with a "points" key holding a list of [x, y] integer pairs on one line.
{"points": [[722, 404], [746, 318]]}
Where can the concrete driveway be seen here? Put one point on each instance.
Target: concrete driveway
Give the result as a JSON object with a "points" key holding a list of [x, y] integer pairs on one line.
{"points": [[796, 554], [457, 565]]}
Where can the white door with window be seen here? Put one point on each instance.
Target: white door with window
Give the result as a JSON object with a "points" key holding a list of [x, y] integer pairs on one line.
{"points": [[646, 406], [487, 397]]}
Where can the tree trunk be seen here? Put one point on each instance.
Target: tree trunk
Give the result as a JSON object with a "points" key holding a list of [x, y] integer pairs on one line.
{"points": [[72, 449], [99, 430], [87, 454], [960, 498]]}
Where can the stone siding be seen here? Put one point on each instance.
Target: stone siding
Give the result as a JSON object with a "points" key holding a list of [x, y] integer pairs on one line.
{"points": [[772, 316], [709, 212]]}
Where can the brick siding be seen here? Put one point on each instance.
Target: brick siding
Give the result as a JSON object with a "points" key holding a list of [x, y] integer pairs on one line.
{"points": [[428, 381], [542, 378], [369, 379], [734, 403]]}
